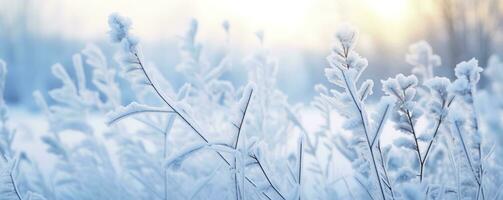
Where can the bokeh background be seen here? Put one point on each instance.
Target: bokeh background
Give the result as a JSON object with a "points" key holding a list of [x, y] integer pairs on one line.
{"points": [[35, 34]]}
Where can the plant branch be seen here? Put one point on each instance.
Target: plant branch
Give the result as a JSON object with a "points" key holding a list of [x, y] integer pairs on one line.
{"points": [[417, 145], [267, 177], [165, 100], [365, 127]]}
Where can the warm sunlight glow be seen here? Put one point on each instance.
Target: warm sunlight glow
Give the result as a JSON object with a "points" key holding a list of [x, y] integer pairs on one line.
{"points": [[393, 10], [306, 23]]}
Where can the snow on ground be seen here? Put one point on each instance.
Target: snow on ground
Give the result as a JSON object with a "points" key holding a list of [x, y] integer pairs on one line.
{"points": [[31, 126]]}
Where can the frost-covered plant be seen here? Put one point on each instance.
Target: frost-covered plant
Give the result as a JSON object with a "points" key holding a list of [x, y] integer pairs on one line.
{"points": [[465, 126], [7, 134], [11, 178], [8, 186], [270, 103], [433, 98], [406, 112], [490, 103], [436, 95], [144, 166], [70, 115], [438, 108], [322, 172], [423, 60], [490, 107], [199, 71], [272, 119], [132, 61], [346, 67], [208, 93], [103, 77]]}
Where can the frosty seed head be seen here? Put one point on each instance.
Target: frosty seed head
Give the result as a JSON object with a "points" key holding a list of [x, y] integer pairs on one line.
{"points": [[346, 35], [468, 69], [119, 27]]}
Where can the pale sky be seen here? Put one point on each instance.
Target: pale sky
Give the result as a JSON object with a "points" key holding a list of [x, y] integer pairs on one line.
{"points": [[295, 23]]}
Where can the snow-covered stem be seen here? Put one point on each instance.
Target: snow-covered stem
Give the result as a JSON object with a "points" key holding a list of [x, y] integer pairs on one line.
{"points": [[14, 183], [386, 175], [345, 72], [453, 161], [349, 190], [468, 75], [456, 128], [435, 133], [301, 150], [169, 126], [364, 187], [257, 160], [380, 124], [243, 105], [363, 117]]}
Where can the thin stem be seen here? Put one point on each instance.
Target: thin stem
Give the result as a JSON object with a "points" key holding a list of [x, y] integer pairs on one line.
{"points": [[390, 186], [238, 196], [481, 175], [364, 123], [363, 186], [242, 120], [16, 189], [165, 171], [347, 187], [267, 177], [236, 187], [423, 161], [435, 133], [417, 146], [454, 164], [300, 166], [171, 120], [476, 128], [381, 123], [164, 99], [465, 150]]}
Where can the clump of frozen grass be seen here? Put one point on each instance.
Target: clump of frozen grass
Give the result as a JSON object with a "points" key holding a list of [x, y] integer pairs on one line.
{"points": [[272, 120], [490, 109], [423, 60], [410, 101], [132, 62], [13, 184], [8, 186], [71, 114], [6, 132], [406, 113], [467, 74], [465, 126], [346, 67]]}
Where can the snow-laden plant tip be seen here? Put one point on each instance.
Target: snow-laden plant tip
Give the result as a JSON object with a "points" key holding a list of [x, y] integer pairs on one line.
{"points": [[426, 138]]}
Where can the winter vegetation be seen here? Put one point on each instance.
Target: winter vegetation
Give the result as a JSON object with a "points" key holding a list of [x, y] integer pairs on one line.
{"points": [[426, 136]]}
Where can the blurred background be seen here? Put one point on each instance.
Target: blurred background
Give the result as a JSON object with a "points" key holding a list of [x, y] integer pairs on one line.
{"points": [[35, 34]]}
